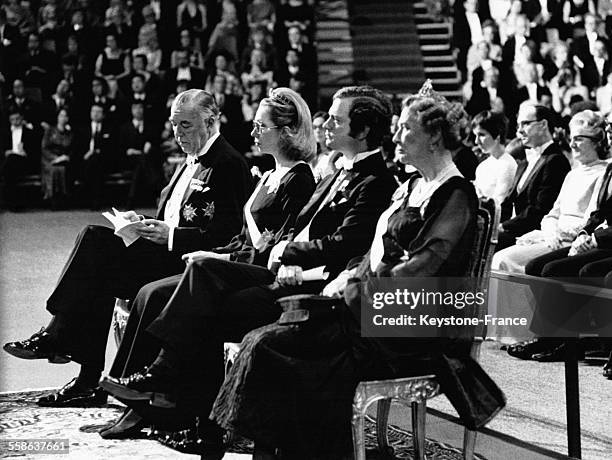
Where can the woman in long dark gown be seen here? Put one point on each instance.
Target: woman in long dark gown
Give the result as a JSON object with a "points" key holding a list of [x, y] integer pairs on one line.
{"points": [[283, 129], [291, 387], [56, 155]]}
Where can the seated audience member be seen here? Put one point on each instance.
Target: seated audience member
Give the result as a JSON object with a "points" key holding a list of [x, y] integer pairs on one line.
{"points": [[584, 48], [117, 25], [577, 197], [113, 62], [221, 64], [603, 96], [538, 179], [467, 31], [284, 371], [39, 67], [494, 176], [463, 156], [564, 87], [148, 44], [97, 153], [149, 101], [224, 37], [57, 154], [511, 51], [28, 107], [261, 13], [257, 69], [281, 128], [139, 67], [305, 51], [197, 210], [336, 225], [60, 99], [531, 90], [184, 72], [230, 107], [321, 164], [20, 155], [193, 15], [489, 94], [138, 143], [259, 40], [186, 43]]}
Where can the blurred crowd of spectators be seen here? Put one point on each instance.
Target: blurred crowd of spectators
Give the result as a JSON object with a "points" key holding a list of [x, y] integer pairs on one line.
{"points": [[86, 87]]}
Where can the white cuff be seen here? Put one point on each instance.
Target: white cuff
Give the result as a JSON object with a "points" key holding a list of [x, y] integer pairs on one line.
{"points": [[171, 238], [276, 253]]}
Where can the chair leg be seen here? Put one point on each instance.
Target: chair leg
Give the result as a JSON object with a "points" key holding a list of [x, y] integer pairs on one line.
{"points": [[469, 444], [418, 429], [382, 422], [358, 425]]}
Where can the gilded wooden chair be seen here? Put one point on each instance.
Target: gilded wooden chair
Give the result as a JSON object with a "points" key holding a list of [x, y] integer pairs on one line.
{"points": [[415, 391]]}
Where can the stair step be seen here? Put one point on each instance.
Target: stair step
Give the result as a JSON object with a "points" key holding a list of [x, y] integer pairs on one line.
{"points": [[438, 60], [433, 26], [450, 68], [379, 10], [446, 81], [335, 24], [436, 47], [336, 60], [401, 40], [384, 29]]}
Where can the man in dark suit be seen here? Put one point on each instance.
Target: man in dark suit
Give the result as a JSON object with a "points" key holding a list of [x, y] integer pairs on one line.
{"points": [[138, 140], [467, 30], [200, 209], [185, 72], [29, 108], [538, 179], [513, 44], [20, 155], [96, 149], [595, 72], [532, 91], [583, 48], [337, 224], [230, 107]]}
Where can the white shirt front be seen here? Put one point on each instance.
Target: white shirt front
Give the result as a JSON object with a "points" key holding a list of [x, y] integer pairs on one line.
{"points": [[172, 211], [183, 73], [532, 155], [16, 135], [475, 27]]}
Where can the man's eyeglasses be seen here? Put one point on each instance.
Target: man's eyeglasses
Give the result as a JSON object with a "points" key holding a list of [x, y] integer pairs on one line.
{"points": [[259, 128], [525, 123]]}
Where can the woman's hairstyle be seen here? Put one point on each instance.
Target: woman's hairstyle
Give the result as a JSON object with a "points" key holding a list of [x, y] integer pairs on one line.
{"points": [[288, 109], [594, 126], [370, 107], [437, 115], [495, 123]]}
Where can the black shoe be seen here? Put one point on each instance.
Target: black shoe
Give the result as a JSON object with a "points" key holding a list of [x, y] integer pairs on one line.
{"points": [[555, 355], [525, 350], [40, 346], [129, 426], [74, 395], [141, 386]]}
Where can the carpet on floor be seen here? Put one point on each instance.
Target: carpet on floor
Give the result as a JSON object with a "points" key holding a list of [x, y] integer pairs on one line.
{"points": [[21, 418]]}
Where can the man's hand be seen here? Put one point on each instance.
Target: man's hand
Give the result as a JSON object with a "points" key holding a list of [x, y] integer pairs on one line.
{"points": [[131, 216], [335, 288], [191, 257], [89, 154], [553, 242], [289, 275], [155, 231], [582, 243], [131, 152]]}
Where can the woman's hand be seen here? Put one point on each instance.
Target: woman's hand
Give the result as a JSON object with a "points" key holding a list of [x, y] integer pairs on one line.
{"points": [[289, 275], [191, 257], [335, 288]]}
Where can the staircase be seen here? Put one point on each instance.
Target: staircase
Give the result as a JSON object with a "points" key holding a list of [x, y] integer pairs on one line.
{"points": [[386, 46], [439, 62], [334, 48]]}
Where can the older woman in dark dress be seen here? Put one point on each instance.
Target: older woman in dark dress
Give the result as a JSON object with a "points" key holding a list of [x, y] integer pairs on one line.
{"points": [[291, 387]]}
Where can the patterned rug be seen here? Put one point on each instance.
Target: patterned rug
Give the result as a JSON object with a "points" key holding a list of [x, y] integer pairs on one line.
{"points": [[21, 418]]}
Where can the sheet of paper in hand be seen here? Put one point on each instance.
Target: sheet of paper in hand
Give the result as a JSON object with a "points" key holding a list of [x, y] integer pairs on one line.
{"points": [[124, 228]]}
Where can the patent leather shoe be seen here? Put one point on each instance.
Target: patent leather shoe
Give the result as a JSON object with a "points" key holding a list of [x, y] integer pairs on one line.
{"points": [[525, 350], [147, 384], [555, 355], [41, 345], [74, 395]]}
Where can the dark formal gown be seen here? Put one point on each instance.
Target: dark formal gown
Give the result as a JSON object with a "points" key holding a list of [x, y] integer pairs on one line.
{"points": [[292, 386]]}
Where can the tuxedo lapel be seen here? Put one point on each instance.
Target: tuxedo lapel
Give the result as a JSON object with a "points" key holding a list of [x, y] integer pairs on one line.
{"points": [[522, 166], [539, 164], [317, 198], [605, 185]]}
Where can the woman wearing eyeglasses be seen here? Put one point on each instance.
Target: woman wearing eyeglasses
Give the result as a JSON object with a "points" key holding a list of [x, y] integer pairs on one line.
{"points": [[282, 127]]}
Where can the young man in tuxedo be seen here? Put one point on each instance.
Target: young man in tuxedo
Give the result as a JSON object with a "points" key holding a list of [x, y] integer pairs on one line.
{"points": [[19, 155], [538, 179], [200, 209], [336, 225]]}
